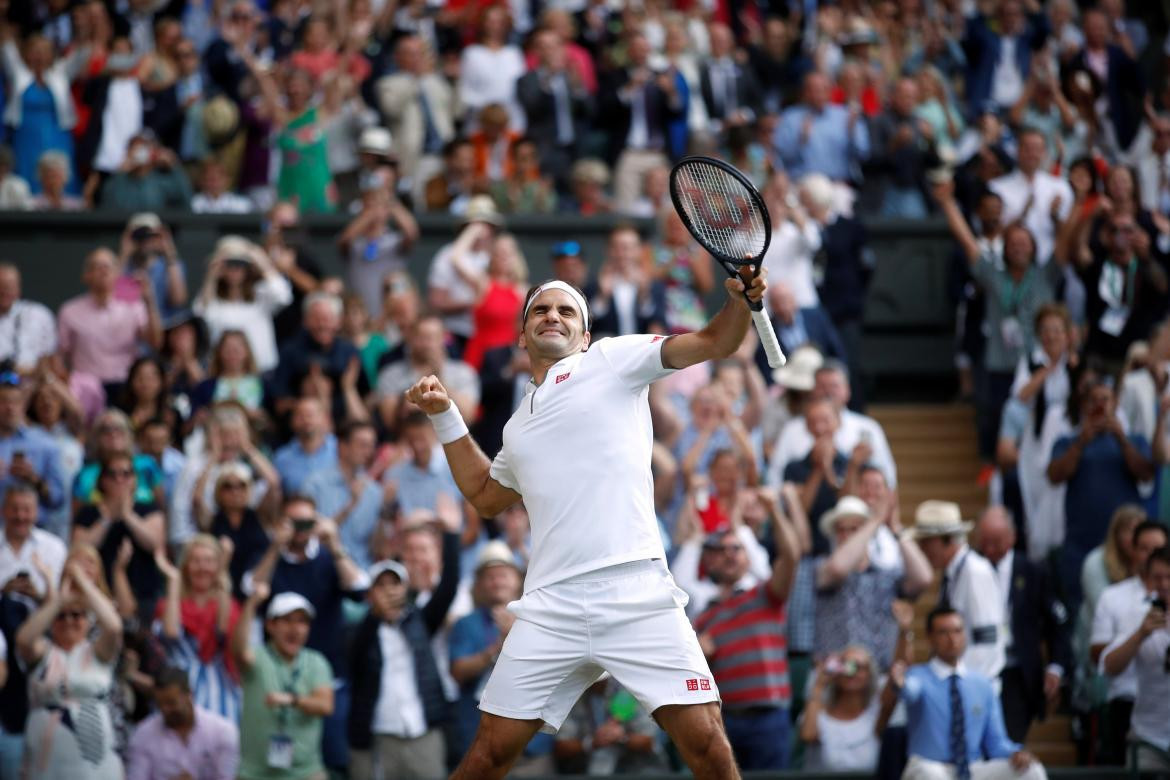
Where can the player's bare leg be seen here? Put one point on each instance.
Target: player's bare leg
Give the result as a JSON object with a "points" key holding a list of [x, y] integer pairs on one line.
{"points": [[697, 732], [498, 743]]}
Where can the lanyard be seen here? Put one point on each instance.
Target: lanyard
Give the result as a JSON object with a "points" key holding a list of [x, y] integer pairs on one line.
{"points": [[1122, 291], [1011, 295], [288, 687]]}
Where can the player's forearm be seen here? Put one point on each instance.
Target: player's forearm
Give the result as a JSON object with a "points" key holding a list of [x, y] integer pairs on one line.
{"points": [[472, 472]]}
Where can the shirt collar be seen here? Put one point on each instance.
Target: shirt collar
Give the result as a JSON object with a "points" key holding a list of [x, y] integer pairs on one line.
{"points": [[953, 566], [942, 671], [311, 550], [569, 362]]}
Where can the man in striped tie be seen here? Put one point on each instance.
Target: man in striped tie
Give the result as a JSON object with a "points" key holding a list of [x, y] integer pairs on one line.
{"points": [[954, 721]]}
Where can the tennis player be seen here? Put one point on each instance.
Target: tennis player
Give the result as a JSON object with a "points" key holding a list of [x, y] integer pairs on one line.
{"points": [[597, 595]]}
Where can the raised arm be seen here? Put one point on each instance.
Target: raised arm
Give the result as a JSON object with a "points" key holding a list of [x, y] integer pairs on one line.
{"points": [[722, 335], [787, 557], [945, 195], [241, 643], [109, 625], [847, 556], [172, 616], [470, 467]]}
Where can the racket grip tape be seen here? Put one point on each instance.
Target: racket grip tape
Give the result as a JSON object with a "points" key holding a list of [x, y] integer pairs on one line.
{"points": [[768, 339]]}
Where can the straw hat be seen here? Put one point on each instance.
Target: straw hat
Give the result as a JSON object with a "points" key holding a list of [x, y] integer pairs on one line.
{"points": [[939, 518], [800, 372]]}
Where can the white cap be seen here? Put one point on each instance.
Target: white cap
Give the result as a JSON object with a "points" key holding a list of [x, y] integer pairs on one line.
{"points": [[494, 553], [389, 565], [287, 603], [847, 506], [800, 372], [376, 140]]}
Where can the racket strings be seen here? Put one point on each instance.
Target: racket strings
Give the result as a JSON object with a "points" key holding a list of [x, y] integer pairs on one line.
{"points": [[722, 212]]}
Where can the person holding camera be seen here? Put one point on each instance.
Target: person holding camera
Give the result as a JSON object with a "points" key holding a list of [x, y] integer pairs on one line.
{"points": [[23, 545], [148, 256], [149, 179], [307, 558], [242, 291], [1148, 647], [840, 716]]}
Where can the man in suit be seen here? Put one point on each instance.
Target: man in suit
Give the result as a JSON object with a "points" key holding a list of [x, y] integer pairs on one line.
{"points": [[419, 107], [729, 89], [557, 105], [953, 719], [642, 107], [999, 60], [1036, 618], [796, 327], [1120, 81], [627, 299]]}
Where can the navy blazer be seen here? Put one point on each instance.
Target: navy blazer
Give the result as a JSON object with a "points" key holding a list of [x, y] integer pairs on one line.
{"points": [[1125, 89], [982, 47], [1039, 619], [821, 333], [650, 314]]}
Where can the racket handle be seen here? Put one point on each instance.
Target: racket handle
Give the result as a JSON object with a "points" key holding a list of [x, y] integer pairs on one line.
{"points": [[768, 339]]}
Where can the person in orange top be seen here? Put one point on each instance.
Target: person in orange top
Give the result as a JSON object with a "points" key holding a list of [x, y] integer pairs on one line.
{"points": [[492, 144]]}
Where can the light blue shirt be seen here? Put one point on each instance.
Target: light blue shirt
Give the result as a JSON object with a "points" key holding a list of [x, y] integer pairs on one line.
{"points": [[419, 488], [927, 694], [830, 149], [330, 491], [42, 453], [295, 465]]}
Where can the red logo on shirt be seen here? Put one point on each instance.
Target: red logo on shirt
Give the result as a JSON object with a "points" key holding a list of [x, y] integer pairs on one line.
{"points": [[561, 378], [692, 685], [654, 339], [705, 685]]}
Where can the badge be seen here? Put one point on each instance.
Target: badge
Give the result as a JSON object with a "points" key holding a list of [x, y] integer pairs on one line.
{"points": [[1113, 320], [1012, 333], [280, 752]]}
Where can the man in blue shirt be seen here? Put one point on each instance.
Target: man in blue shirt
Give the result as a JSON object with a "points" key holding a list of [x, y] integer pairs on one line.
{"points": [[312, 449], [27, 455], [344, 492], [954, 721], [816, 137]]}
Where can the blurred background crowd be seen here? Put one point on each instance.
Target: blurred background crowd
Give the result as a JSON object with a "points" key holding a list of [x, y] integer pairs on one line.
{"points": [[231, 546]]}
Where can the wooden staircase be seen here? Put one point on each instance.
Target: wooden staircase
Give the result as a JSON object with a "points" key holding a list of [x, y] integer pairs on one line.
{"points": [[936, 451]]}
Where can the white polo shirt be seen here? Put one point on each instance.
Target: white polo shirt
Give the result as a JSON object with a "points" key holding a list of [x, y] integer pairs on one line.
{"points": [[1120, 611], [578, 450]]}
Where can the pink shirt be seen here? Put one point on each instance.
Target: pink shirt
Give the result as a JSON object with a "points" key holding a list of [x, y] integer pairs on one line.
{"points": [[211, 752], [101, 340]]}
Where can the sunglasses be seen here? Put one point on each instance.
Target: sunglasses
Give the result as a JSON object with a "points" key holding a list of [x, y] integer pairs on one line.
{"points": [[727, 549], [233, 485], [119, 473], [9, 379], [72, 614]]}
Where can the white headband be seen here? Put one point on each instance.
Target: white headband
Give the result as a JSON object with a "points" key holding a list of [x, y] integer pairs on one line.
{"points": [[557, 284]]}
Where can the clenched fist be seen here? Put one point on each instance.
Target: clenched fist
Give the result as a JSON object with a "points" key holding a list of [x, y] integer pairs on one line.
{"points": [[429, 395]]}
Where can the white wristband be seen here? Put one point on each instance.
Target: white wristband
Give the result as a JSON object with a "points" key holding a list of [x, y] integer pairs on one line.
{"points": [[449, 424]]}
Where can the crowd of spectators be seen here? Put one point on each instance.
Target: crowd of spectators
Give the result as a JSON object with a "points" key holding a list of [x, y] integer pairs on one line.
{"points": [[231, 547]]}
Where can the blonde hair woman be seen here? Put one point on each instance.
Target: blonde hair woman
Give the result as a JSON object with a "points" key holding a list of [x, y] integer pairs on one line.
{"points": [[197, 616]]}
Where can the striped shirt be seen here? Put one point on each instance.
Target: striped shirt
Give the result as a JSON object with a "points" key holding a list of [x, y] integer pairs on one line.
{"points": [[750, 663]]}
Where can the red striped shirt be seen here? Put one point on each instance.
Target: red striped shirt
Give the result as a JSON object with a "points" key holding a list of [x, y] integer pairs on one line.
{"points": [[750, 663]]}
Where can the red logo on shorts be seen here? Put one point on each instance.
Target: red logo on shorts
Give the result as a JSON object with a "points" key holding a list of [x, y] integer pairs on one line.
{"points": [[705, 685], [561, 378], [692, 685]]}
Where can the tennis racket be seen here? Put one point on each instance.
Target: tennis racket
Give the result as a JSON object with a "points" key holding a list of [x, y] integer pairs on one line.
{"points": [[726, 215]]}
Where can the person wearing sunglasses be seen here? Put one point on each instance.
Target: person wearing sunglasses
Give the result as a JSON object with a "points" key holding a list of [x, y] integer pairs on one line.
{"points": [[71, 645], [28, 456]]}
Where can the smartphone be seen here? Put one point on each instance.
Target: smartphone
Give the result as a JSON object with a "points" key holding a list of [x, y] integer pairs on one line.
{"points": [[1159, 603]]}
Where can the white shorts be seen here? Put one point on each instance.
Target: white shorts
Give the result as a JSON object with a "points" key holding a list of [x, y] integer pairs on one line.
{"points": [[627, 620]]}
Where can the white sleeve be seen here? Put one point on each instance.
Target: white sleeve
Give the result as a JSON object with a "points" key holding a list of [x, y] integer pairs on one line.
{"points": [[883, 457], [757, 556], [1104, 621], [501, 472], [637, 359], [274, 292]]}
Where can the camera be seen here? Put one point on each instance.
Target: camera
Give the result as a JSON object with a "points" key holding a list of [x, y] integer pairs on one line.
{"points": [[1158, 603]]}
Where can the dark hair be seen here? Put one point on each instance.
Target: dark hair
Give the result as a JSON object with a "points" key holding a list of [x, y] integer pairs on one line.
{"points": [[986, 193], [415, 419], [532, 292], [154, 422], [1161, 555], [350, 428], [1088, 165], [298, 498], [1090, 373], [172, 677], [1149, 525], [130, 400], [16, 488], [939, 612], [868, 467]]}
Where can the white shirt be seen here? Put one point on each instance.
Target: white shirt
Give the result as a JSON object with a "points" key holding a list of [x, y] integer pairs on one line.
{"points": [[702, 590], [578, 450], [1138, 405], [846, 745], [795, 442], [975, 594], [121, 121], [253, 318], [1015, 189], [45, 545], [399, 711], [489, 76], [28, 332], [1007, 83], [443, 276], [226, 203], [790, 257], [1151, 709], [1120, 611]]}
